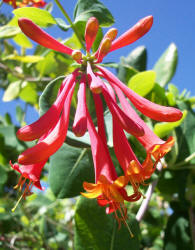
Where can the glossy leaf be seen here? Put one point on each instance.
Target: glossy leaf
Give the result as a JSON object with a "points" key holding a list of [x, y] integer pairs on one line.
{"points": [[62, 25], [94, 229], [166, 65], [49, 94], [87, 8], [142, 83], [69, 168], [137, 58], [186, 134], [39, 16]]}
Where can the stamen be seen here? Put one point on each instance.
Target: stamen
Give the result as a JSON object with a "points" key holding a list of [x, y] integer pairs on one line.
{"points": [[124, 221], [23, 195]]}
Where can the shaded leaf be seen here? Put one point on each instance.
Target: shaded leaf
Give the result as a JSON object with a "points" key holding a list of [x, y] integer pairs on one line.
{"points": [[177, 233], [49, 94], [96, 230], [69, 168]]}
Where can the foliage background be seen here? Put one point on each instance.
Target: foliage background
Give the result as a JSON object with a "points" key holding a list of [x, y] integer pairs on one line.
{"points": [[48, 221]]}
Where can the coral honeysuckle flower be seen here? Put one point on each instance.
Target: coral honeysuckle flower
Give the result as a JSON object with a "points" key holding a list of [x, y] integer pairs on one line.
{"points": [[154, 146], [108, 188], [52, 127], [33, 3]]}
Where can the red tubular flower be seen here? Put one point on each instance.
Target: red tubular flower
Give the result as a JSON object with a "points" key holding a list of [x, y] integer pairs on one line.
{"points": [[80, 120], [38, 35], [153, 144], [95, 83], [150, 109], [48, 120], [133, 34], [125, 121], [91, 30], [31, 172], [53, 141]]}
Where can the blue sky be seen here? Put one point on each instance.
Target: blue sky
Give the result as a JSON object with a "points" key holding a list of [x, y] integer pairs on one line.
{"points": [[174, 21]]}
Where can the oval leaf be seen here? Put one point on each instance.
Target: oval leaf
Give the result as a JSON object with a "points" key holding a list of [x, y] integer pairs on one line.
{"points": [[69, 168], [163, 129], [87, 8], [12, 91], [98, 230], [142, 83], [166, 65], [41, 17]]}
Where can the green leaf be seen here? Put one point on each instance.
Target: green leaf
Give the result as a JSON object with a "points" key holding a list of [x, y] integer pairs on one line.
{"points": [[94, 229], [7, 31], [19, 113], [69, 168], [12, 91], [25, 59], [49, 94], [39, 16], [87, 8], [166, 65], [178, 227], [163, 129], [80, 142], [3, 174], [142, 83], [22, 40], [186, 134], [29, 93], [137, 58], [62, 25], [73, 42], [10, 139]]}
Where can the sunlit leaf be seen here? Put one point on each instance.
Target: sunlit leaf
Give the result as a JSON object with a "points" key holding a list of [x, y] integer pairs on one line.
{"points": [[7, 31], [166, 65], [12, 91], [39, 16]]}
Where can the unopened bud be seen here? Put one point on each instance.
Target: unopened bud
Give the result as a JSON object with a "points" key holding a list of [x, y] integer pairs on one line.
{"points": [[91, 30], [111, 33], [77, 55], [104, 49]]}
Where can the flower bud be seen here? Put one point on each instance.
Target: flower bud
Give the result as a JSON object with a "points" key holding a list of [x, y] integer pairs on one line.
{"points": [[91, 30], [77, 55]]}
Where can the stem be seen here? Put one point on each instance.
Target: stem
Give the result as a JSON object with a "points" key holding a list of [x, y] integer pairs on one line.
{"points": [[71, 23], [187, 159], [144, 206]]}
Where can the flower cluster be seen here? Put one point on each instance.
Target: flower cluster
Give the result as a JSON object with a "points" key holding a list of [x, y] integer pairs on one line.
{"points": [[33, 3], [51, 128]]}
